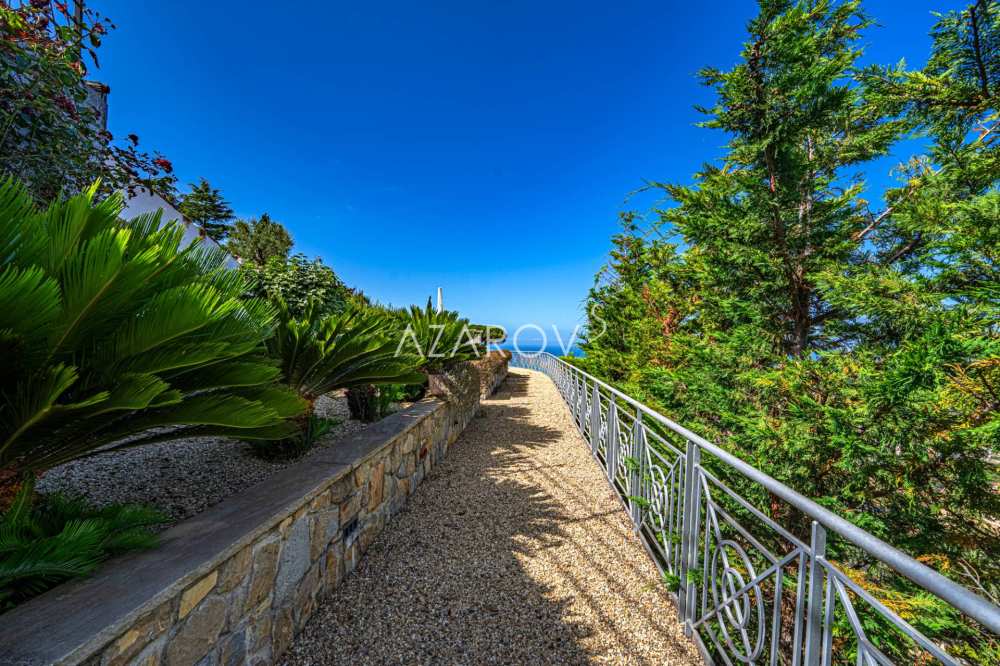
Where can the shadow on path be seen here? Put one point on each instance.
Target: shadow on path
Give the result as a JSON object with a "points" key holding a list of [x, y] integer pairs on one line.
{"points": [[511, 551]]}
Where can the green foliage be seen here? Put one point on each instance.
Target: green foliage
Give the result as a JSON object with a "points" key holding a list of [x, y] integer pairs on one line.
{"points": [[851, 353], [494, 334], [259, 240], [205, 206], [441, 339], [297, 282], [110, 330], [51, 134], [364, 404], [49, 540], [370, 403], [297, 444], [390, 394], [319, 353]]}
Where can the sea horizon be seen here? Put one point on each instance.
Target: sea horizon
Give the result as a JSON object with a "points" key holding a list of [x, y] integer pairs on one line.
{"points": [[533, 346]]}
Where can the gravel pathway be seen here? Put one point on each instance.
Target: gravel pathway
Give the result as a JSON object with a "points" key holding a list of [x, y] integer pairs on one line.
{"points": [[183, 477], [513, 551]]}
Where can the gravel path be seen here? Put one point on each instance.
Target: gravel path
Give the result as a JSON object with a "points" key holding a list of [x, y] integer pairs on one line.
{"points": [[183, 477], [513, 551]]}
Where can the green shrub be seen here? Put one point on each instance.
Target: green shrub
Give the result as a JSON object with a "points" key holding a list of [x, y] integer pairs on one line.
{"points": [[371, 403], [45, 541], [110, 330], [298, 443], [51, 133], [297, 281]]}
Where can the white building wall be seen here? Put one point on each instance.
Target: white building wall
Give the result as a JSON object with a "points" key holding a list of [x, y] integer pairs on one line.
{"points": [[145, 201]]}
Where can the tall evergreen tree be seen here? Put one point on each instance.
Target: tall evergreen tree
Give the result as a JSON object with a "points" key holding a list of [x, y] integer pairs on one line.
{"points": [[205, 206], [783, 207], [850, 349]]}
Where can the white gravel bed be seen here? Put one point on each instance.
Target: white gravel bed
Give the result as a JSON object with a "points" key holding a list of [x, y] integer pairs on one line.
{"points": [[513, 551], [183, 477]]}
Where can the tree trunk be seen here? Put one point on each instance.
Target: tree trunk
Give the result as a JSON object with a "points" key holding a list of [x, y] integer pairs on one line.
{"points": [[11, 482], [362, 401]]}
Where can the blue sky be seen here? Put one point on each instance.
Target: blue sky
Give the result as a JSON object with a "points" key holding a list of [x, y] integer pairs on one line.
{"points": [[485, 147]]}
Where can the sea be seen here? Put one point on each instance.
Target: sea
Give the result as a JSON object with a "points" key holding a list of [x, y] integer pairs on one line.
{"points": [[533, 346]]}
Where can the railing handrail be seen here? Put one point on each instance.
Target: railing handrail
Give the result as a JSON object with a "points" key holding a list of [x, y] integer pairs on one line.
{"points": [[962, 598]]}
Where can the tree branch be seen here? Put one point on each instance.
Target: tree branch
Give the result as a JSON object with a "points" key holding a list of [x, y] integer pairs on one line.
{"points": [[903, 251], [977, 49], [860, 235]]}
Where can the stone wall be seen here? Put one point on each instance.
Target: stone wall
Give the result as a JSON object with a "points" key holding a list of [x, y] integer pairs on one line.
{"points": [[235, 583], [492, 370]]}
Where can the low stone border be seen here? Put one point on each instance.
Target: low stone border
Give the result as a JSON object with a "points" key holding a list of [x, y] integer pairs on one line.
{"points": [[235, 583]]}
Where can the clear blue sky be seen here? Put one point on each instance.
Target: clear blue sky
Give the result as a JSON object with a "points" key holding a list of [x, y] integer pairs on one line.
{"points": [[485, 147]]}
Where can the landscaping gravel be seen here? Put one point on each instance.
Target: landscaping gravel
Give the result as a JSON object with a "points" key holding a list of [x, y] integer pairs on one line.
{"points": [[514, 550], [182, 477]]}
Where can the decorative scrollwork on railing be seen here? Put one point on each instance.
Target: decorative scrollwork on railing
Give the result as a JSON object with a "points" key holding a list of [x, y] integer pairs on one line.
{"points": [[722, 554], [739, 606], [624, 456], [659, 515]]}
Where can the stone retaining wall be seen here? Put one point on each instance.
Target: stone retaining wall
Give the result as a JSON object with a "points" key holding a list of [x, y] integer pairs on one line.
{"points": [[235, 583], [492, 371]]}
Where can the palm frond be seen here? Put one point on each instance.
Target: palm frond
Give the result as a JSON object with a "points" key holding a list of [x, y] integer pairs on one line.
{"points": [[321, 353], [116, 329], [45, 542]]}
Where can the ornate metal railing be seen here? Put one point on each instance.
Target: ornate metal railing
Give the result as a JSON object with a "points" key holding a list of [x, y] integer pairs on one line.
{"points": [[749, 588]]}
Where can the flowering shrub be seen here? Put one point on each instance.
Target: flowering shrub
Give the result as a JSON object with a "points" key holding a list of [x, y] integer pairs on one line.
{"points": [[52, 135]]}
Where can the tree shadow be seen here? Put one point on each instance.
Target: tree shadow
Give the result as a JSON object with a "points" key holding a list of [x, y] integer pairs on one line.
{"points": [[454, 578], [515, 385]]}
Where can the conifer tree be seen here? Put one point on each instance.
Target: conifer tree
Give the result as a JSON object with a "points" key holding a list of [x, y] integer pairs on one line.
{"points": [[783, 206], [259, 240], [205, 206], [845, 341]]}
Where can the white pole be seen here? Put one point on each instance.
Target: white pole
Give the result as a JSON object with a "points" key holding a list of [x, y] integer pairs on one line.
{"points": [[440, 300]]}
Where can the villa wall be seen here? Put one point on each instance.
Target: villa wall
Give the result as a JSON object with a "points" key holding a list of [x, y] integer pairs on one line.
{"points": [[235, 583]]}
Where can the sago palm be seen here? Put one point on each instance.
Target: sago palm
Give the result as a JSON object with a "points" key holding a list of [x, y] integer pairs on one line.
{"points": [[440, 338], [320, 353], [113, 335], [44, 541]]}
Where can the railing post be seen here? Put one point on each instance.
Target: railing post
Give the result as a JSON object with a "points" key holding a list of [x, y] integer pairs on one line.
{"points": [[689, 536], [581, 408], [572, 382], [814, 605], [576, 398], [637, 473], [611, 445], [595, 420], [571, 391]]}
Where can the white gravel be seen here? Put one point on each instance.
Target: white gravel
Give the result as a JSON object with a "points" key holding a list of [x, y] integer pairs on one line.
{"points": [[182, 477], [513, 551]]}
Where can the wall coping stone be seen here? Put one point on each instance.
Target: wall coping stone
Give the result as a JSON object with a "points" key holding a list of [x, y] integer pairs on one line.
{"points": [[77, 619]]}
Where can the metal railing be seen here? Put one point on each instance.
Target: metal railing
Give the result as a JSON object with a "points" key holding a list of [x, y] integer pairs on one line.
{"points": [[748, 589]]}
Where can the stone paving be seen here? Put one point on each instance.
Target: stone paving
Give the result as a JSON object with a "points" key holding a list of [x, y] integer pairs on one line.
{"points": [[513, 551]]}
